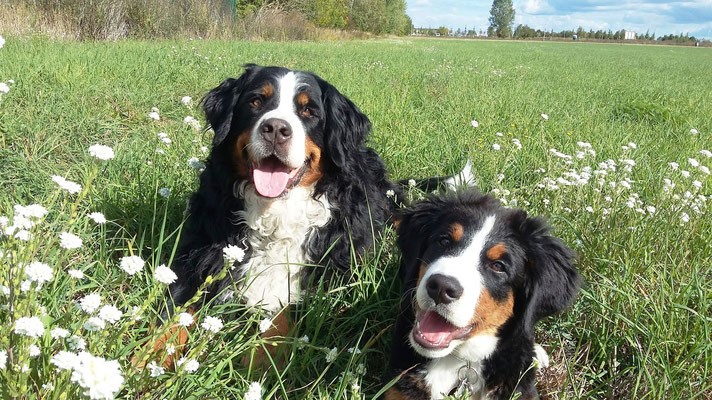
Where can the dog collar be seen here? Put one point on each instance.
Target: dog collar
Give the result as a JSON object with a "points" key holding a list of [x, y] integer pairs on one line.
{"points": [[466, 378]]}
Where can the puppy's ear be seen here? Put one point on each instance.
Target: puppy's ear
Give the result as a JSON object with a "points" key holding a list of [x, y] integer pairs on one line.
{"points": [[553, 281], [345, 126], [415, 227], [219, 104]]}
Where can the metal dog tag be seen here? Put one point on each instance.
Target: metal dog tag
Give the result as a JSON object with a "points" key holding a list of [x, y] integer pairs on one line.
{"points": [[466, 377]]}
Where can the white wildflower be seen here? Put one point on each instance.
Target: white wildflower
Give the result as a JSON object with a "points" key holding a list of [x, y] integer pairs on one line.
{"points": [[166, 140], [545, 117], [154, 114], [685, 174], [694, 131], [354, 350], [411, 182], [685, 218], [38, 272], [704, 169], [164, 192], [2, 42], [706, 153], [265, 324], [75, 273], [110, 314], [517, 143], [194, 163], [192, 122], [100, 378], [58, 333], [170, 349], [495, 147], [156, 370], [697, 184], [65, 360], [390, 193], [34, 351], [331, 355], [204, 149], [254, 391], [674, 165], [76, 343], [29, 326], [131, 264], [212, 324], [31, 211], [69, 186], [94, 324], [693, 162], [233, 253], [589, 209], [3, 359], [49, 386], [302, 341], [186, 100], [474, 123], [4, 88], [69, 241], [164, 275], [90, 303], [97, 217], [651, 209], [101, 152], [632, 145], [499, 134], [185, 319], [190, 365]]}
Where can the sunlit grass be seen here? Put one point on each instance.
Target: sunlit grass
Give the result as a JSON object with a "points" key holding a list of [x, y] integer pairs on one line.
{"points": [[640, 328]]}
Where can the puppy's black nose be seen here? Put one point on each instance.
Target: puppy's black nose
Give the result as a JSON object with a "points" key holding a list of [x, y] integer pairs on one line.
{"points": [[443, 289], [275, 130]]}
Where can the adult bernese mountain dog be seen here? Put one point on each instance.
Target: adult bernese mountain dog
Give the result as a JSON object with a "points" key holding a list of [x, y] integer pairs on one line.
{"points": [[290, 181], [476, 278]]}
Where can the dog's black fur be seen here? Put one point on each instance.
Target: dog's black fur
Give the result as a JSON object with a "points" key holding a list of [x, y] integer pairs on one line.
{"points": [[539, 274]]}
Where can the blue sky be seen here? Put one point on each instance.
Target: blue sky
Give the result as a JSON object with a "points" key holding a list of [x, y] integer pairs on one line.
{"points": [[661, 17]]}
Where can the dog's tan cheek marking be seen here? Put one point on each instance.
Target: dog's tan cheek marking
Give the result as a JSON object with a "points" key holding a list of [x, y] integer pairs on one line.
{"points": [[491, 314], [315, 169], [496, 252], [241, 158], [421, 272], [457, 231]]}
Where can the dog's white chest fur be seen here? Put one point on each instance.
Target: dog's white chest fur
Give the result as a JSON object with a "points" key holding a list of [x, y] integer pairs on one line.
{"points": [[278, 228]]}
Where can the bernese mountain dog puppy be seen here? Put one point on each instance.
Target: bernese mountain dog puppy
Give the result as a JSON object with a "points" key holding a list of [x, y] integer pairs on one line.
{"points": [[476, 278], [290, 181]]}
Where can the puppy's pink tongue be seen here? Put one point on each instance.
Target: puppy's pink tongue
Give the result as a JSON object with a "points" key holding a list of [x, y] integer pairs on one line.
{"points": [[435, 329], [271, 177]]}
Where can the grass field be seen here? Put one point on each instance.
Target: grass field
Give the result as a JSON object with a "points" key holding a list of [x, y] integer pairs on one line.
{"points": [[615, 116]]}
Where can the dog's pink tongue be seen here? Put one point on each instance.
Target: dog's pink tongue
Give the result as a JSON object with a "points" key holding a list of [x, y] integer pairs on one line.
{"points": [[271, 177], [435, 329]]}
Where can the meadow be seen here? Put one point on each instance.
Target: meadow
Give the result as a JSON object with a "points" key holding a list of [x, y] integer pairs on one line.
{"points": [[610, 142]]}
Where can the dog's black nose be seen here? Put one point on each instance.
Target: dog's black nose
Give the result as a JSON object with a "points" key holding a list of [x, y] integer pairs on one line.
{"points": [[275, 130], [443, 289]]}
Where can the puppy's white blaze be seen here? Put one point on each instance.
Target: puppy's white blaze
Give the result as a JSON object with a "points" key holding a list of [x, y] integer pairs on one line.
{"points": [[465, 268], [287, 88]]}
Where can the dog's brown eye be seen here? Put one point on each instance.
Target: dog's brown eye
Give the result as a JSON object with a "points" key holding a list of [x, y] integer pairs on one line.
{"points": [[256, 102], [307, 112], [496, 266]]}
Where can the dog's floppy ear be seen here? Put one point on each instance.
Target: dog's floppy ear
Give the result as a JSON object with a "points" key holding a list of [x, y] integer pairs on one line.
{"points": [[219, 104], [345, 126], [553, 281], [414, 228]]}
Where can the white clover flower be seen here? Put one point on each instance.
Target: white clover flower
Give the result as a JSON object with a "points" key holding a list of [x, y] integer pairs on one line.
{"points": [[685, 174], [69, 186], [164, 192], [191, 365], [186, 100], [185, 319], [625, 184], [192, 122], [65, 360], [154, 115], [100, 378], [4, 88], [651, 209], [38, 272], [495, 147], [499, 134], [354, 350], [94, 324], [110, 314], [390, 193], [232, 253], [254, 391], [97, 217], [212, 324], [170, 349], [685, 218], [69, 241], [706, 153], [49, 386], [674, 165], [58, 333], [589, 209], [101, 152], [164, 275], [693, 162], [704, 170], [302, 341], [694, 131], [194, 163], [131, 264], [29, 326], [517, 143], [474, 123], [34, 351], [331, 355], [3, 359], [166, 140], [162, 135], [204, 149], [75, 273], [156, 370], [411, 183], [90, 303], [76, 343], [31, 211], [545, 117], [23, 235], [697, 184], [265, 324], [632, 145]]}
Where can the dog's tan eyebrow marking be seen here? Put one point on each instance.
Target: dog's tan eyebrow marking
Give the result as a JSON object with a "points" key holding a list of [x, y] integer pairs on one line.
{"points": [[303, 99], [267, 90], [457, 231], [497, 251]]}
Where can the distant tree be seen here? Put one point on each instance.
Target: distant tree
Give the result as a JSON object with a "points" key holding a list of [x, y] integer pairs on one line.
{"points": [[443, 31], [501, 18]]}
